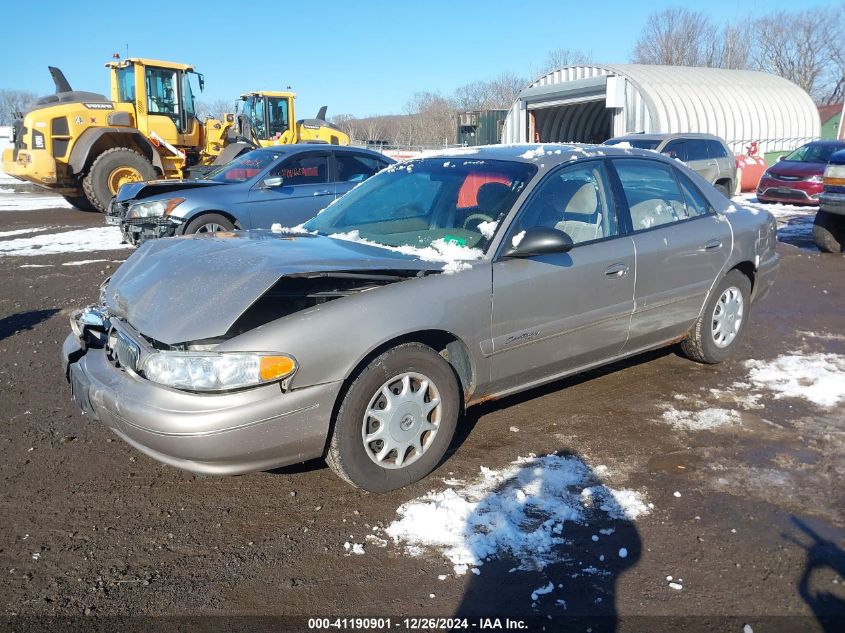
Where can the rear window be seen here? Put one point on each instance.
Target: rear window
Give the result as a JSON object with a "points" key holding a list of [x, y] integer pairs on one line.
{"points": [[246, 166]]}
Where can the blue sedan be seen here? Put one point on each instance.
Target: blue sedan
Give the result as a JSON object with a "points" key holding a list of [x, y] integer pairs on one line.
{"points": [[286, 184]]}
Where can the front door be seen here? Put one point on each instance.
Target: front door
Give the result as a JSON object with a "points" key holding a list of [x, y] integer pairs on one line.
{"points": [[555, 313], [304, 191]]}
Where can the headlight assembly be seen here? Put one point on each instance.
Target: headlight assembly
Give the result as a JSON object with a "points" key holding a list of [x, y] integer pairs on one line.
{"points": [[216, 371], [154, 208]]}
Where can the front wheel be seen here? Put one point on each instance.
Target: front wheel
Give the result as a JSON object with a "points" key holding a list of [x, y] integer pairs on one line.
{"points": [[719, 329], [209, 223], [80, 202], [396, 419], [829, 231], [723, 189]]}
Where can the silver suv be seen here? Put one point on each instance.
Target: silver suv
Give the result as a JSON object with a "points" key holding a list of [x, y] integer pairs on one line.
{"points": [[704, 153]]}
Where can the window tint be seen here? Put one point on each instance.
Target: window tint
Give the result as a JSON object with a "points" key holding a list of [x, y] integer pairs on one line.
{"points": [[245, 166], [356, 167], [575, 200], [307, 170], [652, 193], [716, 149], [696, 202], [696, 150], [675, 149]]}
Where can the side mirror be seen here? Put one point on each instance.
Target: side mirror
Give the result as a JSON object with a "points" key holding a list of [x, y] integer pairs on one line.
{"points": [[781, 157], [273, 181], [539, 241]]}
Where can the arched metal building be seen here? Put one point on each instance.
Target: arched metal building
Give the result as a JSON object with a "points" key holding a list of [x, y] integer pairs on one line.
{"points": [[589, 104]]}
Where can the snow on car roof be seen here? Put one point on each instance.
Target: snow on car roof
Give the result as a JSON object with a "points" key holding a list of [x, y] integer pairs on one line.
{"points": [[544, 154]]}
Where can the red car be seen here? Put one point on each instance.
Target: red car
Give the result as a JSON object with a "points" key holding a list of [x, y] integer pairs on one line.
{"points": [[797, 177]]}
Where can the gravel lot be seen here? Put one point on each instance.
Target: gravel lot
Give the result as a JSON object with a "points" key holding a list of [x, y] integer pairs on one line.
{"points": [[733, 476]]}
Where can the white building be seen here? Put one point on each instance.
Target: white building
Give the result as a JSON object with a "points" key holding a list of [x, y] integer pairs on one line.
{"points": [[593, 103]]}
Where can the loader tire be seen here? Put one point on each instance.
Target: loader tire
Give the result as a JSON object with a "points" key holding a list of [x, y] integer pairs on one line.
{"points": [[111, 169], [80, 202]]}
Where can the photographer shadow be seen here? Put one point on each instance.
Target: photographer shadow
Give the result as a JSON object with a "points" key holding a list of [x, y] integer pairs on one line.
{"points": [[551, 542]]}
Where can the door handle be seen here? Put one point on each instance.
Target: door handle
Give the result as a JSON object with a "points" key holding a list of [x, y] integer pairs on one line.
{"points": [[322, 193], [712, 245], [616, 270]]}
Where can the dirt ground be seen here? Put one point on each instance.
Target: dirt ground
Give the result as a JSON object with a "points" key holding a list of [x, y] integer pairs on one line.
{"points": [[750, 516]]}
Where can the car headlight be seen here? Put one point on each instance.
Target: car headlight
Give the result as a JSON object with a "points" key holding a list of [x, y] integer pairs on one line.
{"points": [[216, 371], [154, 208], [816, 178], [766, 174]]}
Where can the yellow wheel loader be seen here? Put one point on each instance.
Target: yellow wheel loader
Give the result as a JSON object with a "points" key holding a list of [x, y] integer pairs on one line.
{"points": [[84, 146]]}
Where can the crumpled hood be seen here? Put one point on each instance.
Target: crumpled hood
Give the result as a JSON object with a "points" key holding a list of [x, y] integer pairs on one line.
{"points": [[139, 190], [195, 287]]}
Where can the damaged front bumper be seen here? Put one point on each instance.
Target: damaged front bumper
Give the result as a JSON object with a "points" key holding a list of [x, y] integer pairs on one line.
{"points": [[136, 230], [219, 434]]}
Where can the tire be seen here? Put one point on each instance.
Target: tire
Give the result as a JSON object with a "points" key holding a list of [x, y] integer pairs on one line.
{"points": [[115, 166], [703, 344], [356, 461], [80, 202], [722, 189], [829, 232], [208, 223]]}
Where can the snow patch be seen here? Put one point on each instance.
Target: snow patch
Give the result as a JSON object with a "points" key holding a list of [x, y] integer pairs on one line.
{"points": [[705, 419], [440, 250], [818, 378], [488, 228], [517, 512], [79, 241], [22, 231]]}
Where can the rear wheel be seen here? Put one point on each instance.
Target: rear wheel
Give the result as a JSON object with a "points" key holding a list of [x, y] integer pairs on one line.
{"points": [[209, 223], [111, 170], [80, 202], [829, 231], [720, 328], [396, 420], [723, 189]]}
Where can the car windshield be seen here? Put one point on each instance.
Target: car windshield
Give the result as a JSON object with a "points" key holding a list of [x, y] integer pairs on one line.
{"points": [[428, 202], [246, 166], [639, 143], [813, 153]]}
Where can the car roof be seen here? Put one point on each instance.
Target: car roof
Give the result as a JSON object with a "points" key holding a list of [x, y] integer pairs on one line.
{"points": [[828, 141], [544, 155], [311, 147], [666, 136]]}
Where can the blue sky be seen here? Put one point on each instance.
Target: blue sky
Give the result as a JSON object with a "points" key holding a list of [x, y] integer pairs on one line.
{"points": [[365, 57]]}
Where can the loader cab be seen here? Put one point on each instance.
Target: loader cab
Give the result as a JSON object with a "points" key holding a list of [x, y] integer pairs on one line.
{"points": [[267, 117], [163, 96]]}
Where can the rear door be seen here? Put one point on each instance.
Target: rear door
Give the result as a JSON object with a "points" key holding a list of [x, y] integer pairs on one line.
{"points": [[304, 191], [553, 313], [725, 162], [353, 168], [682, 246]]}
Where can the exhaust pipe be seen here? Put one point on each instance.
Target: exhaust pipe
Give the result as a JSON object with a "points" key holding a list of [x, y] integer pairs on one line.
{"points": [[59, 79]]}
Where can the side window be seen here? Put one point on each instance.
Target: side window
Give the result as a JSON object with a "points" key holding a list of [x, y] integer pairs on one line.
{"points": [[162, 97], [696, 150], [278, 123], [696, 202], [307, 170], [126, 84], [716, 149], [575, 200], [652, 192], [676, 149], [356, 167]]}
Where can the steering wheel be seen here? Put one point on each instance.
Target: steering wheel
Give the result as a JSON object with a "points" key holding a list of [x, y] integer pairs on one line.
{"points": [[483, 217]]}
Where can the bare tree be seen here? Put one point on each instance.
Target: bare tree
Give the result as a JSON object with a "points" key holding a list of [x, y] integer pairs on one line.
{"points": [[675, 37], [805, 47], [217, 109], [13, 102], [498, 93], [562, 57]]}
